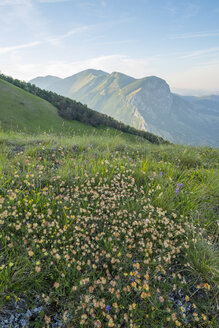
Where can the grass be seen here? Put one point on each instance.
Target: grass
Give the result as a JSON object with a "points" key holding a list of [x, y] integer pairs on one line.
{"points": [[22, 111], [108, 230]]}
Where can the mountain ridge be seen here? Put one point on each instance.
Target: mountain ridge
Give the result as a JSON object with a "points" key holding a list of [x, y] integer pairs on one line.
{"points": [[147, 104]]}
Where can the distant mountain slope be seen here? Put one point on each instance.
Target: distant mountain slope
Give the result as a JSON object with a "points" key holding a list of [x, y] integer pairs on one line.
{"points": [[46, 81], [205, 105], [146, 104]]}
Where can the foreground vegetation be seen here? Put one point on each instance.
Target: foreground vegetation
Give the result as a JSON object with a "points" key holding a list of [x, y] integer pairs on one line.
{"points": [[109, 232]]}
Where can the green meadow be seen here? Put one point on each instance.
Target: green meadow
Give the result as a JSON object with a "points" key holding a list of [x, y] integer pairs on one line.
{"points": [[103, 229]]}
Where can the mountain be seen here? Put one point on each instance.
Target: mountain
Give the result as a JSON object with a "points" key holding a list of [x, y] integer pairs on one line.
{"points": [[45, 81], [147, 104]]}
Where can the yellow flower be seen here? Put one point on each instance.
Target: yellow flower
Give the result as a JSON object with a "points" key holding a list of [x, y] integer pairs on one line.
{"points": [[207, 286], [177, 323], [146, 287], [146, 277], [204, 317], [11, 264], [143, 295], [110, 324]]}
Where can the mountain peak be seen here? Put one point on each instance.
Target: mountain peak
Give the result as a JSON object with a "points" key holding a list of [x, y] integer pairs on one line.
{"points": [[154, 82], [45, 81], [118, 74], [96, 72], [119, 80]]}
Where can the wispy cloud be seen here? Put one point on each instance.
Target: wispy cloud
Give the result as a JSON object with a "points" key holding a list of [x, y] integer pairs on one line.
{"points": [[27, 2], [194, 35], [56, 40], [53, 1], [117, 42], [171, 9], [103, 3], [203, 52], [4, 50], [125, 64], [22, 17], [14, 2], [137, 67], [192, 10]]}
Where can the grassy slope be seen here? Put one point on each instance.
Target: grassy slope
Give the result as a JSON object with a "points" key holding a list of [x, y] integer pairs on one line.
{"points": [[53, 189], [19, 110], [22, 111]]}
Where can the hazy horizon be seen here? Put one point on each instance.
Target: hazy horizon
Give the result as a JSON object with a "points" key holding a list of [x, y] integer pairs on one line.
{"points": [[174, 41]]}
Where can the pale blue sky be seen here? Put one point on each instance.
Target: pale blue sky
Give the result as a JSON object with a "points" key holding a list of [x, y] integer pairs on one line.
{"points": [[174, 39]]}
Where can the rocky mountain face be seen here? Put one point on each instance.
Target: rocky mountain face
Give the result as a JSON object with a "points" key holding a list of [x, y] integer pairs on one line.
{"points": [[146, 104]]}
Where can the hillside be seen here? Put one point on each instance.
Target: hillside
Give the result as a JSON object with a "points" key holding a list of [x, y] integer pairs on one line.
{"points": [[146, 104], [22, 111], [71, 110]]}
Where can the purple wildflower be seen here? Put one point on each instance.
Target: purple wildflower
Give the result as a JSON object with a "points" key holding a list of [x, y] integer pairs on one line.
{"points": [[108, 308], [161, 174], [179, 185]]}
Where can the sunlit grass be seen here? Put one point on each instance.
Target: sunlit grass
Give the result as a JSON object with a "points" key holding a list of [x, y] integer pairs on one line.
{"points": [[109, 232]]}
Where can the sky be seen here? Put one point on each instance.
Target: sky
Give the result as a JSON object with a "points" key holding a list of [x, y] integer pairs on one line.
{"points": [[177, 40]]}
